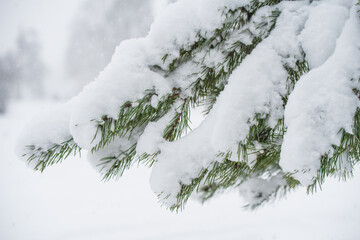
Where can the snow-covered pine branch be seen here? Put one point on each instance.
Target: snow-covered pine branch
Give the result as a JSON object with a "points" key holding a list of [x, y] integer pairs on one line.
{"points": [[280, 82]]}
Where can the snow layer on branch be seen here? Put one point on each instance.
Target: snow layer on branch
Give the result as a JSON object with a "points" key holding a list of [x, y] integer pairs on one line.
{"points": [[46, 129], [124, 79], [179, 24], [128, 75], [257, 189], [322, 103], [256, 86], [321, 31], [152, 136]]}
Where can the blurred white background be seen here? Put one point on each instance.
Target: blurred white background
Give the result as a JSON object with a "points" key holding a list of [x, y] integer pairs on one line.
{"points": [[48, 51]]}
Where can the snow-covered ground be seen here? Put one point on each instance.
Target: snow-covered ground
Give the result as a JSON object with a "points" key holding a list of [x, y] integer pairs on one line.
{"points": [[70, 202]]}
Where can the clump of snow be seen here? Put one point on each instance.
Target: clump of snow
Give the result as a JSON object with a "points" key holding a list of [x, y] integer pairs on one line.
{"points": [[46, 129], [321, 31], [179, 24], [125, 79], [256, 189], [321, 104], [152, 136], [255, 87]]}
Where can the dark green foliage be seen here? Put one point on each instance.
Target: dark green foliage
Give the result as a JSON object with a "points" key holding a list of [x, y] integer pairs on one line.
{"points": [[294, 74], [212, 79], [52, 155], [133, 115], [148, 159], [118, 164], [180, 122]]}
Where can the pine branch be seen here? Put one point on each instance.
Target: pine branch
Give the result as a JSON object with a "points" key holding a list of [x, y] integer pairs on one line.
{"points": [[213, 79], [257, 155], [141, 112], [133, 115], [229, 173], [55, 154], [180, 122], [114, 166], [118, 164], [148, 159]]}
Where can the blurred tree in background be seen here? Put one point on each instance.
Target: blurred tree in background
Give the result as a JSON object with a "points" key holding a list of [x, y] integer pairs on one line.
{"points": [[22, 70]]}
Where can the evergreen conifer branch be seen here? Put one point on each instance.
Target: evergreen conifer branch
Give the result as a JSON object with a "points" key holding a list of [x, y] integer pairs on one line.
{"points": [[180, 122], [235, 20], [54, 154], [114, 166], [217, 54], [223, 176], [212, 80], [227, 173], [118, 164], [133, 115], [148, 159]]}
